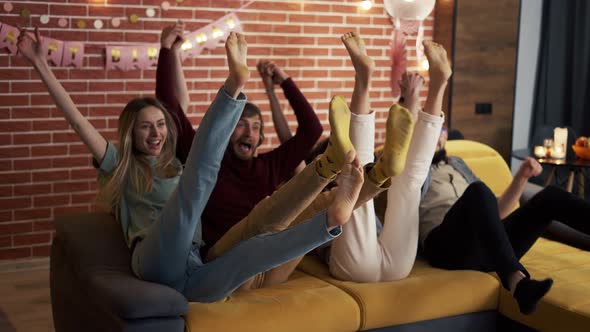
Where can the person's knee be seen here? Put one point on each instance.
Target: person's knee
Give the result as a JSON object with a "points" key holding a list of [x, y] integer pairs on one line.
{"points": [[480, 192], [361, 272], [398, 272], [548, 194]]}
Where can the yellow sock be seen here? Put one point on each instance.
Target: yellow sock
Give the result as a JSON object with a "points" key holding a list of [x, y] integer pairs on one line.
{"points": [[399, 129], [339, 143]]}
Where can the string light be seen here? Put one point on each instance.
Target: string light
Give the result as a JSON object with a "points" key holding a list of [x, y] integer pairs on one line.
{"points": [[187, 45], [230, 23], [216, 32], [201, 38], [366, 4]]}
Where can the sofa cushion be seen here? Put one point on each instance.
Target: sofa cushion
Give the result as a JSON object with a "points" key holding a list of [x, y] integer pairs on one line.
{"points": [[469, 149], [103, 268], [567, 305], [487, 164], [428, 293], [304, 303]]}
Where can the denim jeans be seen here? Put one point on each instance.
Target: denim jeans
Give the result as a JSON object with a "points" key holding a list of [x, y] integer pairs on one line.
{"points": [[167, 253]]}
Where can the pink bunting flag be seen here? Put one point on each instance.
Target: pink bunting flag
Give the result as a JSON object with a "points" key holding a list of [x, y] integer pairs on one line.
{"points": [[193, 44], [151, 52], [73, 54], [132, 57], [143, 56], [118, 57], [53, 49], [8, 38], [220, 29], [233, 23]]}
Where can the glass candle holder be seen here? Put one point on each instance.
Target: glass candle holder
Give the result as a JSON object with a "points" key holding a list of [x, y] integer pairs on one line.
{"points": [[557, 152], [548, 143], [540, 151]]}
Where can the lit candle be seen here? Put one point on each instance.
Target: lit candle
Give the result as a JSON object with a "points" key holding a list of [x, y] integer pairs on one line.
{"points": [[560, 140], [540, 151], [557, 152]]}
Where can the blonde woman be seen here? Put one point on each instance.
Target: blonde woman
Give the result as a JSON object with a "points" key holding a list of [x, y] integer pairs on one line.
{"points": [[159, 204]]}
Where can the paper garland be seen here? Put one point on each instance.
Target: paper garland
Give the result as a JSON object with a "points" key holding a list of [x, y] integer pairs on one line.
{"points": [[146, 55], [58, 53], [124, 57]]}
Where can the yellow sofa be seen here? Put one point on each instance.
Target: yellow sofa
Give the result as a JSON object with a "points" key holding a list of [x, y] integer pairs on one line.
{"points": [[314, 301], [93, 288]]}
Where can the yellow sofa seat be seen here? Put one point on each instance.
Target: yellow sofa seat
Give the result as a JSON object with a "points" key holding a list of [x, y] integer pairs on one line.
{"points": [[427, 293], [567, 305], [304, 303], [314, 301]]}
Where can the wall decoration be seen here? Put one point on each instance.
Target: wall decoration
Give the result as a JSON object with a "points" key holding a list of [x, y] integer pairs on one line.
{"points": [[44, 19], [115, 22], [150, 12], [73, 54], [126, 57], [165, 5], [53, 48], [8, 37], [25, 13], [98, 24], [8, 7]]}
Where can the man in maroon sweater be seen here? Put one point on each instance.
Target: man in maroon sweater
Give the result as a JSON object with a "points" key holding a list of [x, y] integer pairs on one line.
{"points": [[244, 179]]}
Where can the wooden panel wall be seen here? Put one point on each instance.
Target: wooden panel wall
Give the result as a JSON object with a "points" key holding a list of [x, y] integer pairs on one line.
{"points": [[444, 35], [484, 58]]}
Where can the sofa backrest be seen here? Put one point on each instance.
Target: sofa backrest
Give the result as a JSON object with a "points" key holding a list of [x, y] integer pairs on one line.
{"points": [[487, 164]]}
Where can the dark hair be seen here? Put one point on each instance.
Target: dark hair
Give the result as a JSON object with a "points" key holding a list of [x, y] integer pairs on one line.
{"points": [[251, 110]]}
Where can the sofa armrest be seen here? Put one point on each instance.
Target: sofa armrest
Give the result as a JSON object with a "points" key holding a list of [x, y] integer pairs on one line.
{"points": [[558, 231], [132, 298], [100, 259]]}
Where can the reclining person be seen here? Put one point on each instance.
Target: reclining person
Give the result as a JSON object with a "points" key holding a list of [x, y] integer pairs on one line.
{"points": [[463, 225]]}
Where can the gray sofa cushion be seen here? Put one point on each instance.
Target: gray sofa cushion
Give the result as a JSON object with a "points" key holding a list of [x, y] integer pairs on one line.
{"points": [[100, 259]]}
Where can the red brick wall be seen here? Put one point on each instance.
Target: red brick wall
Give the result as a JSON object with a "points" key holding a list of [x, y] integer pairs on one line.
{"points": [[44, 169]]}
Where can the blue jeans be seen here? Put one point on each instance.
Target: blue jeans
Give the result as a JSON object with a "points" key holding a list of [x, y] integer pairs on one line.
{"points": [[167, 255]]}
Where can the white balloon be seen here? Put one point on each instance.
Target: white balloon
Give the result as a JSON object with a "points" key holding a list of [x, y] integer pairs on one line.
{"points": [[409, 9]]}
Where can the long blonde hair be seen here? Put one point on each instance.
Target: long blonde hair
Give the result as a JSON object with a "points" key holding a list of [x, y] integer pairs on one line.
{"points": [[134, 168]]}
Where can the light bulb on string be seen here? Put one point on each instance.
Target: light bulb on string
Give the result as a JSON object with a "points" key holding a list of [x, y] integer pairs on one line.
{"points": [[366, 4]]}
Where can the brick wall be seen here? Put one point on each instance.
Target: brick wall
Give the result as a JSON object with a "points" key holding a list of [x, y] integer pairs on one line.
{"points": [[44, 169]]}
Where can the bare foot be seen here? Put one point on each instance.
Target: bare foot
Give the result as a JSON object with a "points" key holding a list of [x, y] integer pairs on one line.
{"points": [[439, 68], [363, 64], [236, 49], [410, 86], [347, 192]]}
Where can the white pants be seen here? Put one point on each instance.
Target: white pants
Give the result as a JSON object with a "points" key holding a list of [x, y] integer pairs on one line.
{"points": [[359, 254]]}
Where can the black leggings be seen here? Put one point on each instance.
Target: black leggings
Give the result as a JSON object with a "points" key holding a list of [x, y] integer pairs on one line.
{"points": [[472, 236]]}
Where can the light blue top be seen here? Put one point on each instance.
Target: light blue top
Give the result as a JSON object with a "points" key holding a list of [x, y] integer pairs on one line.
{"points": [[137, 211]]}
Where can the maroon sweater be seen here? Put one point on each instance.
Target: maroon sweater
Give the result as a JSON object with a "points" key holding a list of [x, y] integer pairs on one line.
{"points": [[242, 184]]}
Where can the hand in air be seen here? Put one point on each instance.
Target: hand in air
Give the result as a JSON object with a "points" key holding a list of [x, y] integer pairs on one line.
{"points": [[529, 168], [173, 36], [270, 73], [30, 48]]}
